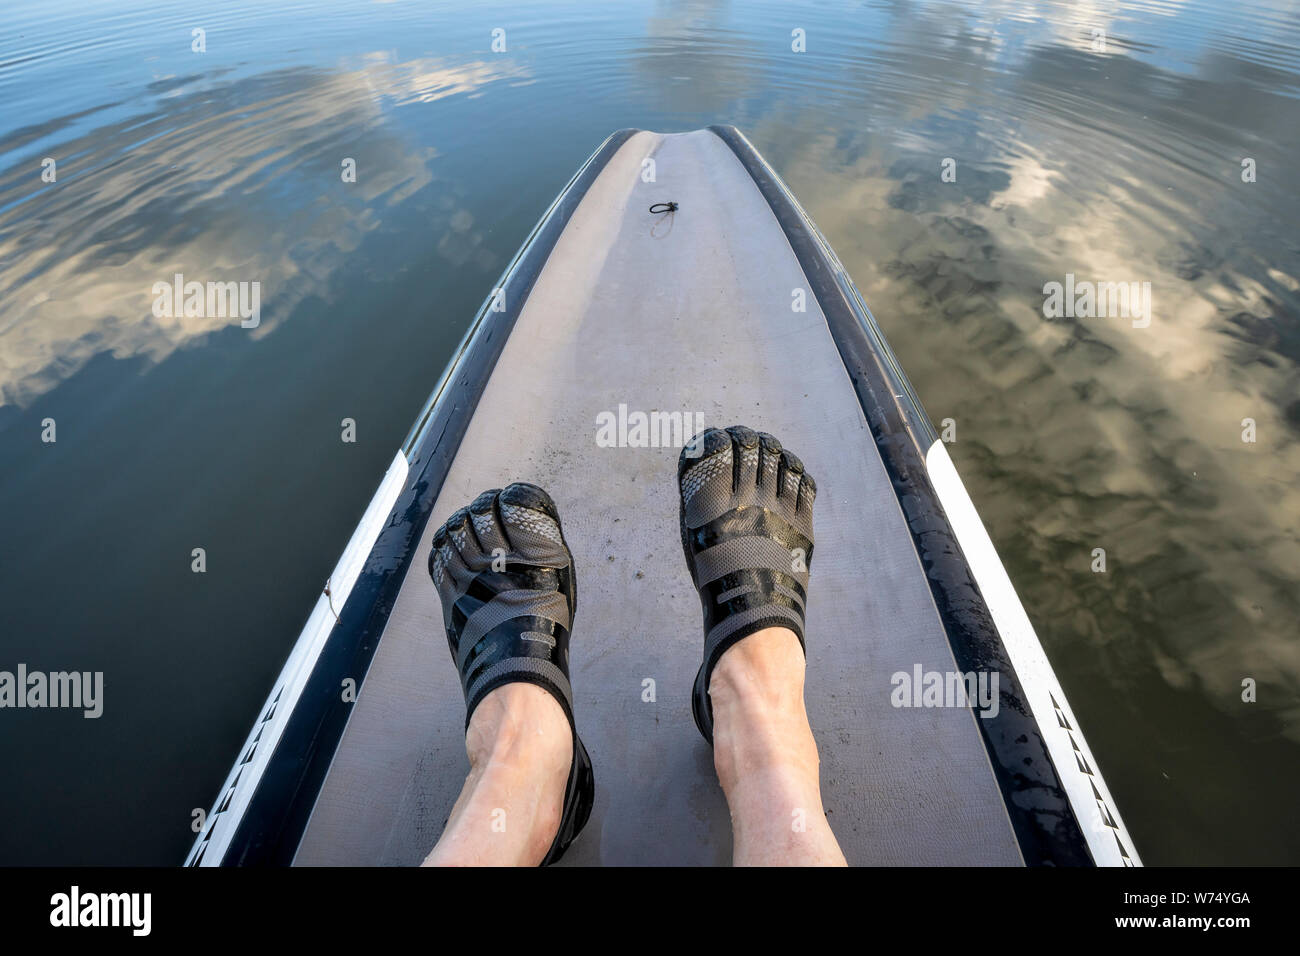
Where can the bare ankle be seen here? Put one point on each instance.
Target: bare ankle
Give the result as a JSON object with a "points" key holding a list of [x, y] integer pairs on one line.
{"points": [[760, 724], [520, 748], [764, 671], [523, 747], [519, 725]]}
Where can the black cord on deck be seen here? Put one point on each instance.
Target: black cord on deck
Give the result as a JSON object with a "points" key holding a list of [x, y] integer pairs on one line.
{"points": [[663, 207]]}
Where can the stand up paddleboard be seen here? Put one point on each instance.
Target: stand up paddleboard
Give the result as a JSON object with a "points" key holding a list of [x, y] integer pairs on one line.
{"points": [[613, 336]]}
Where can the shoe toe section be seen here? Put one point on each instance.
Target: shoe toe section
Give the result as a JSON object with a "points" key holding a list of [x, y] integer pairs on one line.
{"points": [[448, 568], [487, 528], [769, 464], [789, 475], [705, 444], [804, 503], [746, 446], [706, 483], [522, 494], [531, 522], [460, 533]]}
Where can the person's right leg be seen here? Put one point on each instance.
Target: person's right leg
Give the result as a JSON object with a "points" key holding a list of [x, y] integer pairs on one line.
{"points": [[746, 521]]}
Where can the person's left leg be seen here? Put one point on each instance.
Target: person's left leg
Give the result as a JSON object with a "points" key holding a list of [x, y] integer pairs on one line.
{"points": [[520, 750], [506, 580]]}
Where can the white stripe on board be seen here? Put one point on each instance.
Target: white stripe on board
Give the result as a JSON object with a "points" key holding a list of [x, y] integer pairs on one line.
{"points": [[293, 677], [1099, 819]]}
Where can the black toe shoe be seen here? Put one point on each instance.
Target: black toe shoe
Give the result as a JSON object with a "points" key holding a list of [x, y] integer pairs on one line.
{"points": [[747, 531], [509, 594]]}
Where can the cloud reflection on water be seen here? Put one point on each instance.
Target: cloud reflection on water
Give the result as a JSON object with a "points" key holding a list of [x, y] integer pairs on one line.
{"points": [[230, 183]]}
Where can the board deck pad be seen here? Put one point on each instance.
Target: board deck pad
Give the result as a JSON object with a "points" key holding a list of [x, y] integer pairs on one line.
{"points": [[687, 312]]}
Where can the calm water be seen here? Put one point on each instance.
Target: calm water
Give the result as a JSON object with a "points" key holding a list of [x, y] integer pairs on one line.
{"points": [[1117, 160]]}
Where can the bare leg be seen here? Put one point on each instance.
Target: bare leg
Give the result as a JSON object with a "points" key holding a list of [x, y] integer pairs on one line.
{"points": [[766, 757], [520, 750]]}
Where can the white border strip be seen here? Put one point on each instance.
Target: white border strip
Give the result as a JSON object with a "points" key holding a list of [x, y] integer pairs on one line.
{"points": [[1107, 837], [224, 817]]}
